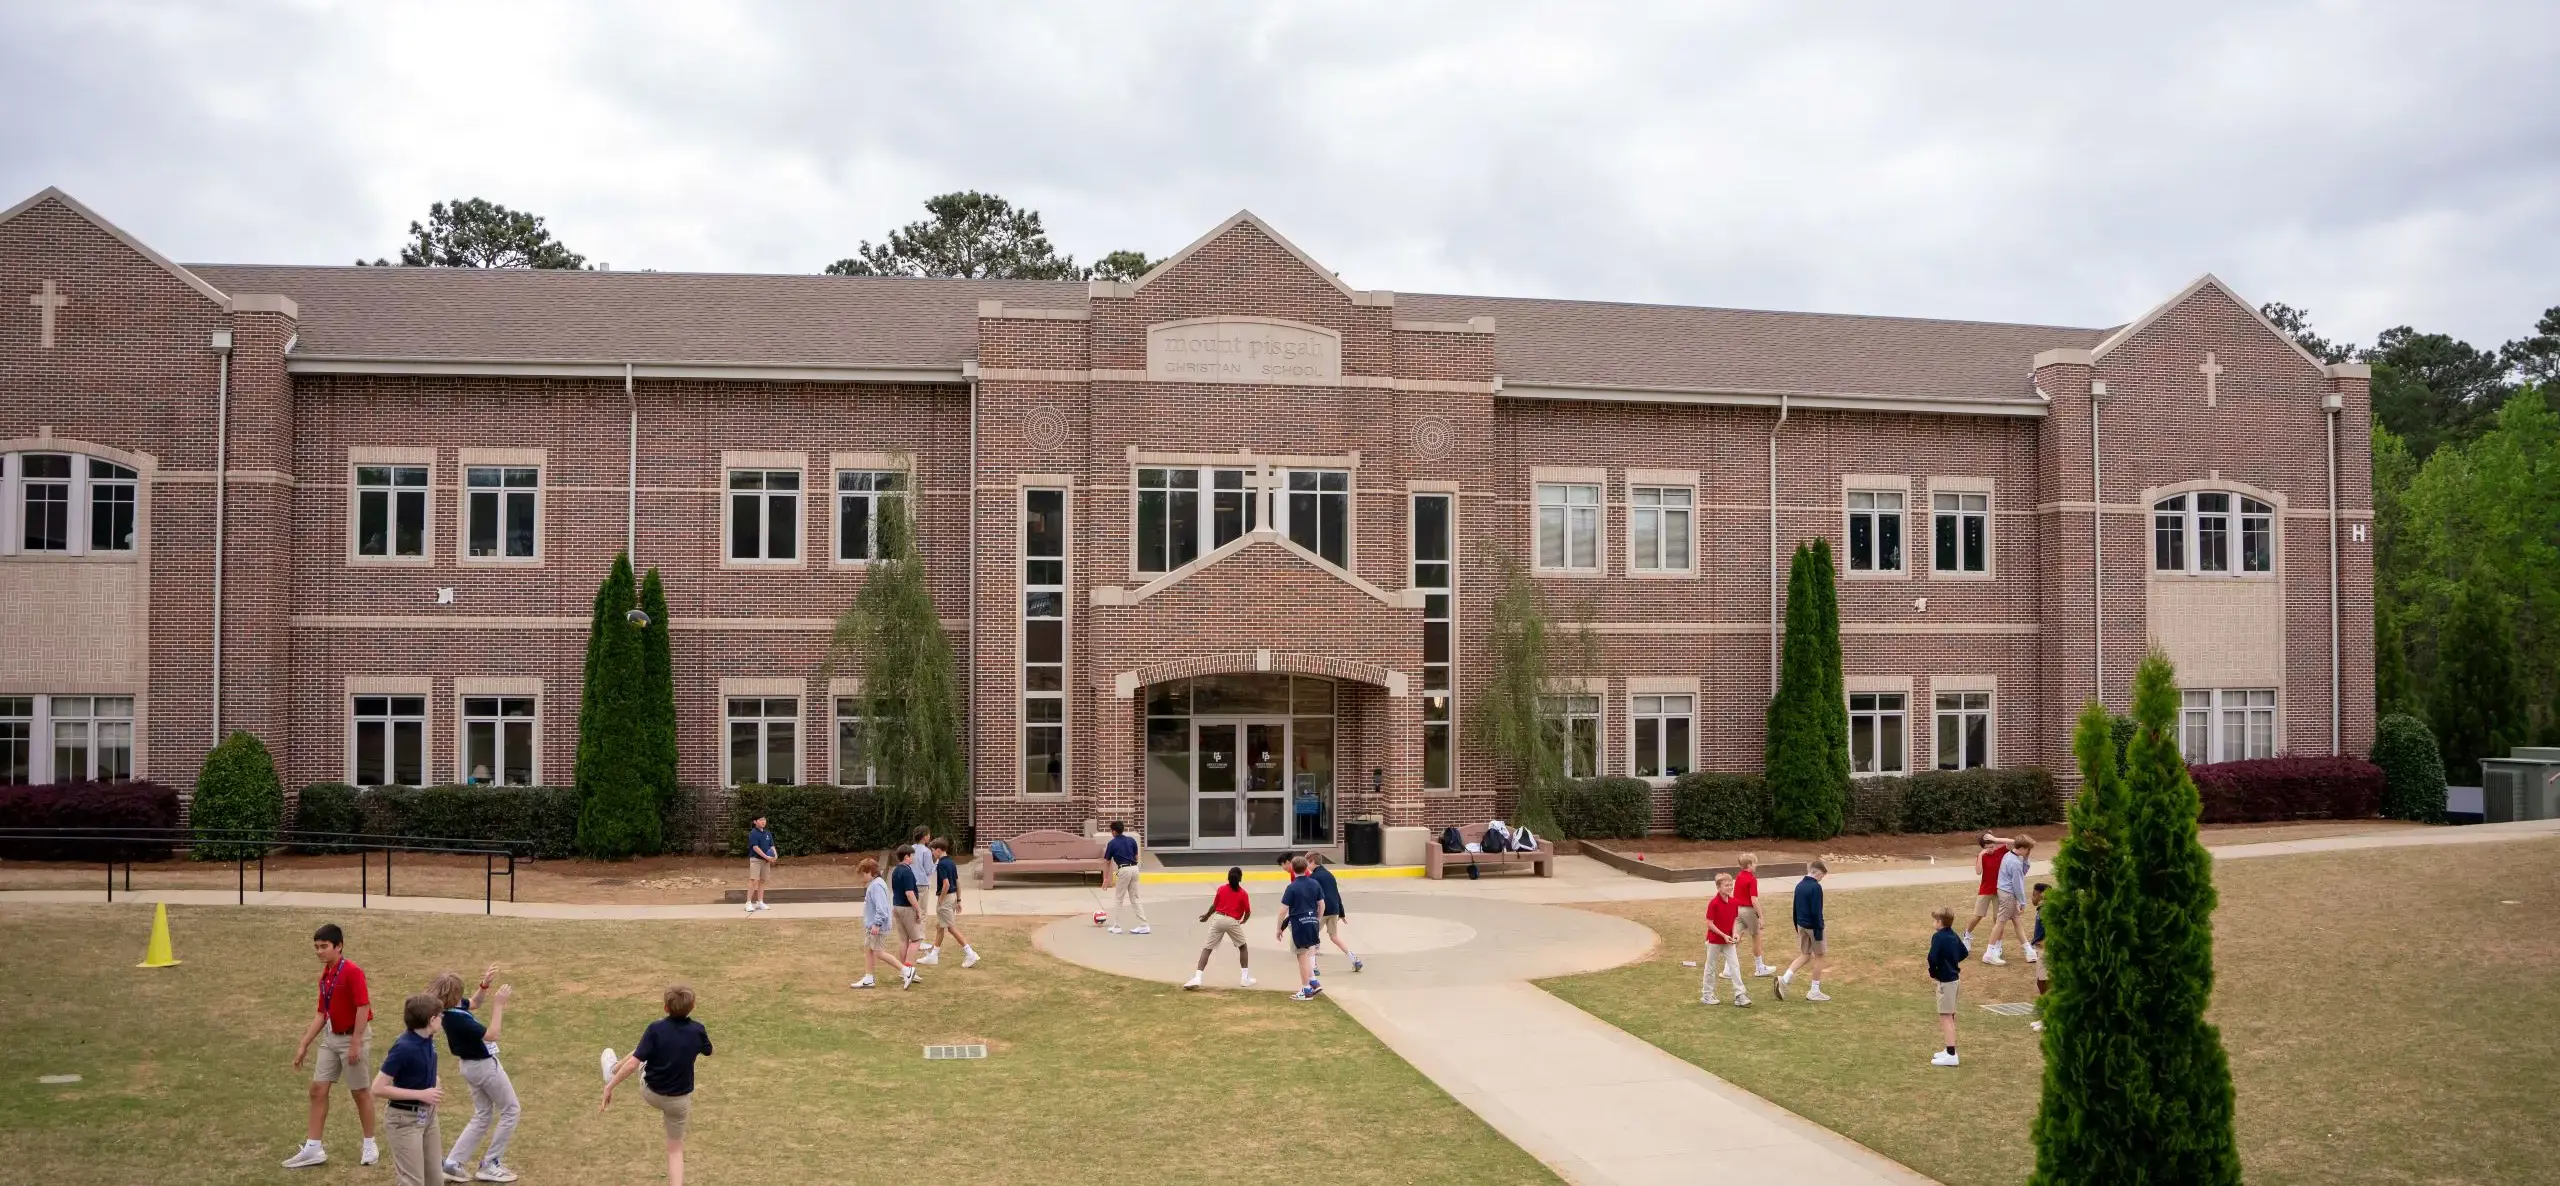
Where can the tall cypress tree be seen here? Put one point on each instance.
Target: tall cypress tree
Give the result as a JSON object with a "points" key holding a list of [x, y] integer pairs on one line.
{"points": [[911, 705], [658, 694], [2091, 1129], [2192, 1139], [617, 813], [2478, 704], [1807, 764]]}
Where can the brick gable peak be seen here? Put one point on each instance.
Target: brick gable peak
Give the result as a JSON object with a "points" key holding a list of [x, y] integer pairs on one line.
{"points": [[1244, 221], [55, 195], [2201, 285]]}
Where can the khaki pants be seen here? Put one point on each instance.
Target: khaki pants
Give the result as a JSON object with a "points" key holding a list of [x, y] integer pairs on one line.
{"points": [[417, 1149], [1124, 892], [675, 1110], [1223, 927], [1723, 959], [493, 1110]]}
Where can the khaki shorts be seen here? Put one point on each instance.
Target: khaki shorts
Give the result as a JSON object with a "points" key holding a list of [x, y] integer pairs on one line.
{"points": [[341, 1056], [1224, 927], [676, 1110], [874, 940], [1333, 927], [946, 911], [1947, 995], [1746, 921], [1982, 904], [1806, 944], [2006, 909], [909, 924], [757, 869]]}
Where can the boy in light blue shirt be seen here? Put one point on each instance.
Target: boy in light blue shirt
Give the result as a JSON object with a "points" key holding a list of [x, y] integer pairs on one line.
{"points": [[875, 926]]}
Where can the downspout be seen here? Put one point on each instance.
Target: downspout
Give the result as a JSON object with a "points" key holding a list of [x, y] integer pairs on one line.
{"points": [[2333, 403], [221, 508], [1773, 545], [631, 491], [2097, 542], [969, 698]]}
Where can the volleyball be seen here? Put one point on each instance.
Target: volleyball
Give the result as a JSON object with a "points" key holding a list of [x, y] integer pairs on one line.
{"points": [[1102, 918]]}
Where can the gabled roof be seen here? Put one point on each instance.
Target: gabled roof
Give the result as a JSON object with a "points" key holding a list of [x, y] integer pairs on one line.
{"points": [[190, 279], [1249, 218], [2200, 283]]}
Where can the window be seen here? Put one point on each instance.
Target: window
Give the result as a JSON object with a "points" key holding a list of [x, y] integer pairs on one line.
{"points": [[391, 512], [1875, 531], [497, 741], [860, 493], [1319, 511], [1660, 522], [1236, 505], [112, 497], [44, 480], [1432, 573], [1044, 642], [764, 515], [17, 741], [1964, 730], [390, 741], [1574, 722], [1661, 728], [853, 762], [764, 740], [1875, 732], [1168, 518], [67, 503], [1961, 531], [501, 505], [49, 739], [2226, 724], [2193, 533], [1568, 526]]}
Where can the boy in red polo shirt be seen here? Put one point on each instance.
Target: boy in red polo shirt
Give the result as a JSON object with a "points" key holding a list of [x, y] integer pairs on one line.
{"points": [[1229, 909], [345, 1012], [1987, 895], [1722, 957], [1746, 890]]}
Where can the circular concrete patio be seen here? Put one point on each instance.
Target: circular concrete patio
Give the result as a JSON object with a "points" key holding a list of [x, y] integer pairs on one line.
{"points": [[1410, 941]]}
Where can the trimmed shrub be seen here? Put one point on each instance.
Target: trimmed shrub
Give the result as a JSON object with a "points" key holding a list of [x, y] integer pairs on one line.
{"points": [[1966, 800], [1876, 805], [329, 807], [533, 821], [821, 818], [2412, 769], [1613, 807], [1713, 805], [88, 805], [2289, 788], [619, 810], [236, 792]]}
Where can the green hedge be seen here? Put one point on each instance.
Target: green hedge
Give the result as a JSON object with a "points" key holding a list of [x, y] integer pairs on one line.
{"points": [[2412, 769], [535, 821], [331, 807], [236, 792], [1605, 808], [820, 818], [1712, 805]]}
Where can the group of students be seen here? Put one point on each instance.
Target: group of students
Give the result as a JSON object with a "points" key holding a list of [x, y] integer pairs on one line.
{"points": [[923, 881], [1311, 912], [1734, 912]]}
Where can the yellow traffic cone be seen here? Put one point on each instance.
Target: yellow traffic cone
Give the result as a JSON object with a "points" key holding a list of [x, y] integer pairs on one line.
{"points": [[158, 954]]}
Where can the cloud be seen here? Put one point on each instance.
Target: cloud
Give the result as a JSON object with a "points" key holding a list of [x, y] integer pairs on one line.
{"points": [[2378, 164]]}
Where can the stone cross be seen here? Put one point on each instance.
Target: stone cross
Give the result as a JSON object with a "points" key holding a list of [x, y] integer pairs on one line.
{"points": [[48, 301], [2211, 371]]}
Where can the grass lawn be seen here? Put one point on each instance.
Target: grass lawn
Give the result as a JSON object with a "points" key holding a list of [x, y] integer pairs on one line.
{"points": [[2388, 1014], [1091, 1077]]}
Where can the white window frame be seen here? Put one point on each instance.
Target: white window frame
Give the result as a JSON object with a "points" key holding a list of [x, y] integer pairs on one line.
{"points": [[46, 714], [1877, 712], [1282, 494], [2238, 520], [763, 720], [2207, 718], [885, 483], [1645, 704], [1573, 501], [1024, 696], [1958, 514], [501, 724], [1964, 709], [81, 489], [1575, 710], [1866, 501], [1253, 494], [389, 719], [1441, 583], [1655, 563], [359, 460], [848, 713], [504, 495], [764, 496]]}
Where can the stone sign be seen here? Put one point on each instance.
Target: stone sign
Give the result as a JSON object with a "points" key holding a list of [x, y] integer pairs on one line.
{"points": [[1244, 350]]}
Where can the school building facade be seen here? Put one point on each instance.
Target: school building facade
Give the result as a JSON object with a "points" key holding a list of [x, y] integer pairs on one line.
{"points": [[1216, 548]]}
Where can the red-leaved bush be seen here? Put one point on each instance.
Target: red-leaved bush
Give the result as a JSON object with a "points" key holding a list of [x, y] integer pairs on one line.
{"points": [[2289, 788], [87, 805]]}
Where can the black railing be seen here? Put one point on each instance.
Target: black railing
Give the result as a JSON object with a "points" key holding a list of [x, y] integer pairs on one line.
{"points": [[263, 840]]}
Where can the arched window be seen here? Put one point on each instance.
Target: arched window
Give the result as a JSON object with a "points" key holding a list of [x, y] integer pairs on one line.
{"points": [[2213, 533], [65, 503]]}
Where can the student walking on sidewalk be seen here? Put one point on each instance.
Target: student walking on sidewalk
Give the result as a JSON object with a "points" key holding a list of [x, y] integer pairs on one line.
{"points": [[1809, 946], [946, 908], [494, 1110], [1945, 952], [1302, 926], [1333, 911], [341, 1025], [1122, 854], [1723, 956], [1229, 909]]}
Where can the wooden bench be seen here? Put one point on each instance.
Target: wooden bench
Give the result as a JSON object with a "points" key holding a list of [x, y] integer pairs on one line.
{"points": [[1045, 850], [1436, 864]]}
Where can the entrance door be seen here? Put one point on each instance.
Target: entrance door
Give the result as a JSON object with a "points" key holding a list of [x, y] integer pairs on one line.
{"points": [[1240, 782]]}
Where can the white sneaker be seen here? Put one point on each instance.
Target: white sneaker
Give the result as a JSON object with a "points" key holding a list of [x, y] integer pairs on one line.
{"points": [[1779, 985], [1741, 1001], [1816, 995], [494, 1172], [1759, 969], [1245, 980], [1708, 999], [309, 1154], [609, 1062], [932, 955], [751, 907], [1194, 982], [1967, 940], [865, 982], [1115, 930], [1142, 929], [969, 957], [1993, 960], [455, 1173], [372, 1153], [1942, 1059], [2037, 1026], [907, 978], [2033, 956]]}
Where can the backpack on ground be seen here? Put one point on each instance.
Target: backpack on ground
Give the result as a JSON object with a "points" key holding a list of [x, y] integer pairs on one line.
{"points": [[1451, 841]]}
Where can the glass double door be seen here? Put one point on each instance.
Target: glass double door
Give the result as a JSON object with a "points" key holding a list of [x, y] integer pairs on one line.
{"points": [[1240, 782]]}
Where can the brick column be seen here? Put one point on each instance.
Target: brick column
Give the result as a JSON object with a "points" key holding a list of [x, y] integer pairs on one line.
{"points": [[1111, 776]]}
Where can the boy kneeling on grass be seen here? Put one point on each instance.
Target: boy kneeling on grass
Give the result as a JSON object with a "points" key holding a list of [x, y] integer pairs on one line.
{"points": [[667, 1049], [1946, 950], [408, 1081]]}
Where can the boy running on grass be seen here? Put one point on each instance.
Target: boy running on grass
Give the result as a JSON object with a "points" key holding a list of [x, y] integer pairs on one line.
{"points": [[876, 914], [494, 1110], [1746, 894], [2035, 899], [408, 1081], [1809, 947], [1987, 895], [946, 907], [1945, 952], [345, 1013], [1722, 954], [1229, 909], [1302, 924], [667, 1049], [2012, 899], [760, 859], [1122, 853]]}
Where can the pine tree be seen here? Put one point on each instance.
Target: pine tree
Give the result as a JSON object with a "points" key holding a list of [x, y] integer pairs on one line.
{"points": [[911, 709], [2091, 1128], [617, 814], [2478, 702], [1808, 725], [2171, 954], [658, 693]]}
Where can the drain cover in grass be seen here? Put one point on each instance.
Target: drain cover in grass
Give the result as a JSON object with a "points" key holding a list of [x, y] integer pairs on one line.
{"points": [[55, 1080], [2018, 1009], [938, 1053]]}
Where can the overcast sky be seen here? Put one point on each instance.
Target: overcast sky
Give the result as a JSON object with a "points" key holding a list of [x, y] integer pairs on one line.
{"points": [[2379, 163]]}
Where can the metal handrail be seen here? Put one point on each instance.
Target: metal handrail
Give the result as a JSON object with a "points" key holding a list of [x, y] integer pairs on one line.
{"points": [[266, 838]]}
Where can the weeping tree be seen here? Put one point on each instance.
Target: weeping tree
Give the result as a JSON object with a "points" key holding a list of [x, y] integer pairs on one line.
{"points": [[1516, 714], [1807, 760], [911, 706], [2090, 1129], [617, 804]]}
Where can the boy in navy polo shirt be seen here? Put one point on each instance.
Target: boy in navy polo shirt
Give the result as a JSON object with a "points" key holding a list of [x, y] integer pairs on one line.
{"points": [[1334, 914], [1946, 950], [906, 910], [760, 861], [1809, 944], [494, 1109], [667, 1048], [408, 1080], [2035, 898], [1122, 852], [946, 907], [1302, 924]]}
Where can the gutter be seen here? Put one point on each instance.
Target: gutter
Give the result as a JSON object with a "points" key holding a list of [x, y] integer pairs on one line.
{"points": [[2097, 542], [2332, 403], [603, 369], [969, 699], [631, 497]]}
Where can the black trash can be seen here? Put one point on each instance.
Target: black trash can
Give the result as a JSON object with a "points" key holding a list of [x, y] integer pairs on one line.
{"points": [[1364, 842]]}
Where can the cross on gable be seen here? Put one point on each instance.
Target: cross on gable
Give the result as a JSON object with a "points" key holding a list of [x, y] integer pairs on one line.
{"points": [[2211, 371], [47, 301]]}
